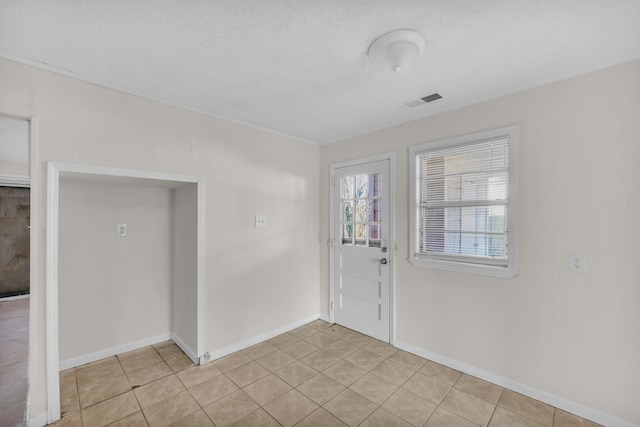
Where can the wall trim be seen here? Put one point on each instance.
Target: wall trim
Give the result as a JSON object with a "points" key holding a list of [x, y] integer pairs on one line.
{"points": [[507, 383], [12, 180], [241, 345], [135, 345], [112, 351], [51, 295]]}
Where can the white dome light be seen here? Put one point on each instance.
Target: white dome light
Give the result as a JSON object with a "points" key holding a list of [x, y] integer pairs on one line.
{"points": [[397, 49]]}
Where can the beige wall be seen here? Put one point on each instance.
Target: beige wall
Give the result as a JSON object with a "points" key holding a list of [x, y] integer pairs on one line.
{"points": [[256, 280], [112, 290], [573, 335]]}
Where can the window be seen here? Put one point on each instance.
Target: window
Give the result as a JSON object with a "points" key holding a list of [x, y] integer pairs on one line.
{"points": [[464, 209]]}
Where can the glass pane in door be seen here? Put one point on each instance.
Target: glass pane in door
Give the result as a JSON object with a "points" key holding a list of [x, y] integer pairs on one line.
{"points": [[361, 210], [361, 185], [374, 185], [346, 187]]}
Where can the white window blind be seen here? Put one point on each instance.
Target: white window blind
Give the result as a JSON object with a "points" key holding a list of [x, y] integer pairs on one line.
{"points": [[463, 200]]}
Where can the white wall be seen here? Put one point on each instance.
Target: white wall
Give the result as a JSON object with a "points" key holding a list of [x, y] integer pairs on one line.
{"points": [[574, 335], [112, 290], [256, 280], [184, 257]]}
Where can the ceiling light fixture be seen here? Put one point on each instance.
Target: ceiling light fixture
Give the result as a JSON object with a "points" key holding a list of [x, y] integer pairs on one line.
{"points": [[397, 49]]}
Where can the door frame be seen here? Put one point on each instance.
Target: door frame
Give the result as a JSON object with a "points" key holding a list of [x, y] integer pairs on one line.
{"points": [[54, 169], [390, 157]]}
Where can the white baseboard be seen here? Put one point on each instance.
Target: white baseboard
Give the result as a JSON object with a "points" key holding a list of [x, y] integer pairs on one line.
{"points": [[37, 421], [213, 355], [112, 351], [543, 396], [324, 317], [187, 350]]}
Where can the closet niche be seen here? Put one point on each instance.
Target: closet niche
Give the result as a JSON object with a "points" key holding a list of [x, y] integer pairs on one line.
{"points": [[127, 265]]}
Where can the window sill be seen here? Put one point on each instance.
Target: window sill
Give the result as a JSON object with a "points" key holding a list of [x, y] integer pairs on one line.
{"points": [[464, 267]]}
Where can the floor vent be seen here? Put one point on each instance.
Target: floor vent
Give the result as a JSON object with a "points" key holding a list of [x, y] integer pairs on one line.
{"points": [[421, 101]]}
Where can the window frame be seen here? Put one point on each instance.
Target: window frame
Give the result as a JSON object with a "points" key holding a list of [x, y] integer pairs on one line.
{"points": [[456, 263]]}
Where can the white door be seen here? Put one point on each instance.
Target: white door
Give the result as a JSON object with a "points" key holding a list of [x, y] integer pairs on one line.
{"points": [[361, 248]]}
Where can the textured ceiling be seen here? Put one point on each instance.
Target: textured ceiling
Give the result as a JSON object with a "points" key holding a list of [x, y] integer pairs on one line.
{"points": [[300, 67]]}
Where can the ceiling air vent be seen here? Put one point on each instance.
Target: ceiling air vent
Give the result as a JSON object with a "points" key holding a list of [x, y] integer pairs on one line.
{"points": [[421, 101]]}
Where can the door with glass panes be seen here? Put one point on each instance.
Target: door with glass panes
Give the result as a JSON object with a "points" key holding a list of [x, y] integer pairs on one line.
{"points": [[361, 252]]}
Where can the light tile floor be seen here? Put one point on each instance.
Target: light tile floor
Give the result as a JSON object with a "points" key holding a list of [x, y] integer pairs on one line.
{"points": [[316, 375], [14, 350]]}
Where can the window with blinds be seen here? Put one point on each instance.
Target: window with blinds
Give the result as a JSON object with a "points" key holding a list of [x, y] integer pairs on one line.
{"points": [[464, 203]]}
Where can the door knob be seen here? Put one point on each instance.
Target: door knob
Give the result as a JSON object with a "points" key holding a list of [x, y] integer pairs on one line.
{"points": [[383, 261]]}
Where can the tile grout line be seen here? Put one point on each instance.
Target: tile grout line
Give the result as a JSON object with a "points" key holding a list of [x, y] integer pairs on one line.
{"points": [[131, 389], [406, 381], [75, 378], [496, 406]]}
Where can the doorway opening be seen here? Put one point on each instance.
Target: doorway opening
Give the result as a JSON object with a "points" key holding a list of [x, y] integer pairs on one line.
{"points": [[15, 266], [15, 214]]}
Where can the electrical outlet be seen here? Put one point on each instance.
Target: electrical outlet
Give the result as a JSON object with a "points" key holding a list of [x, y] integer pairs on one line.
{"points": [[261, 220], [577, 263], [122, 230]]}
